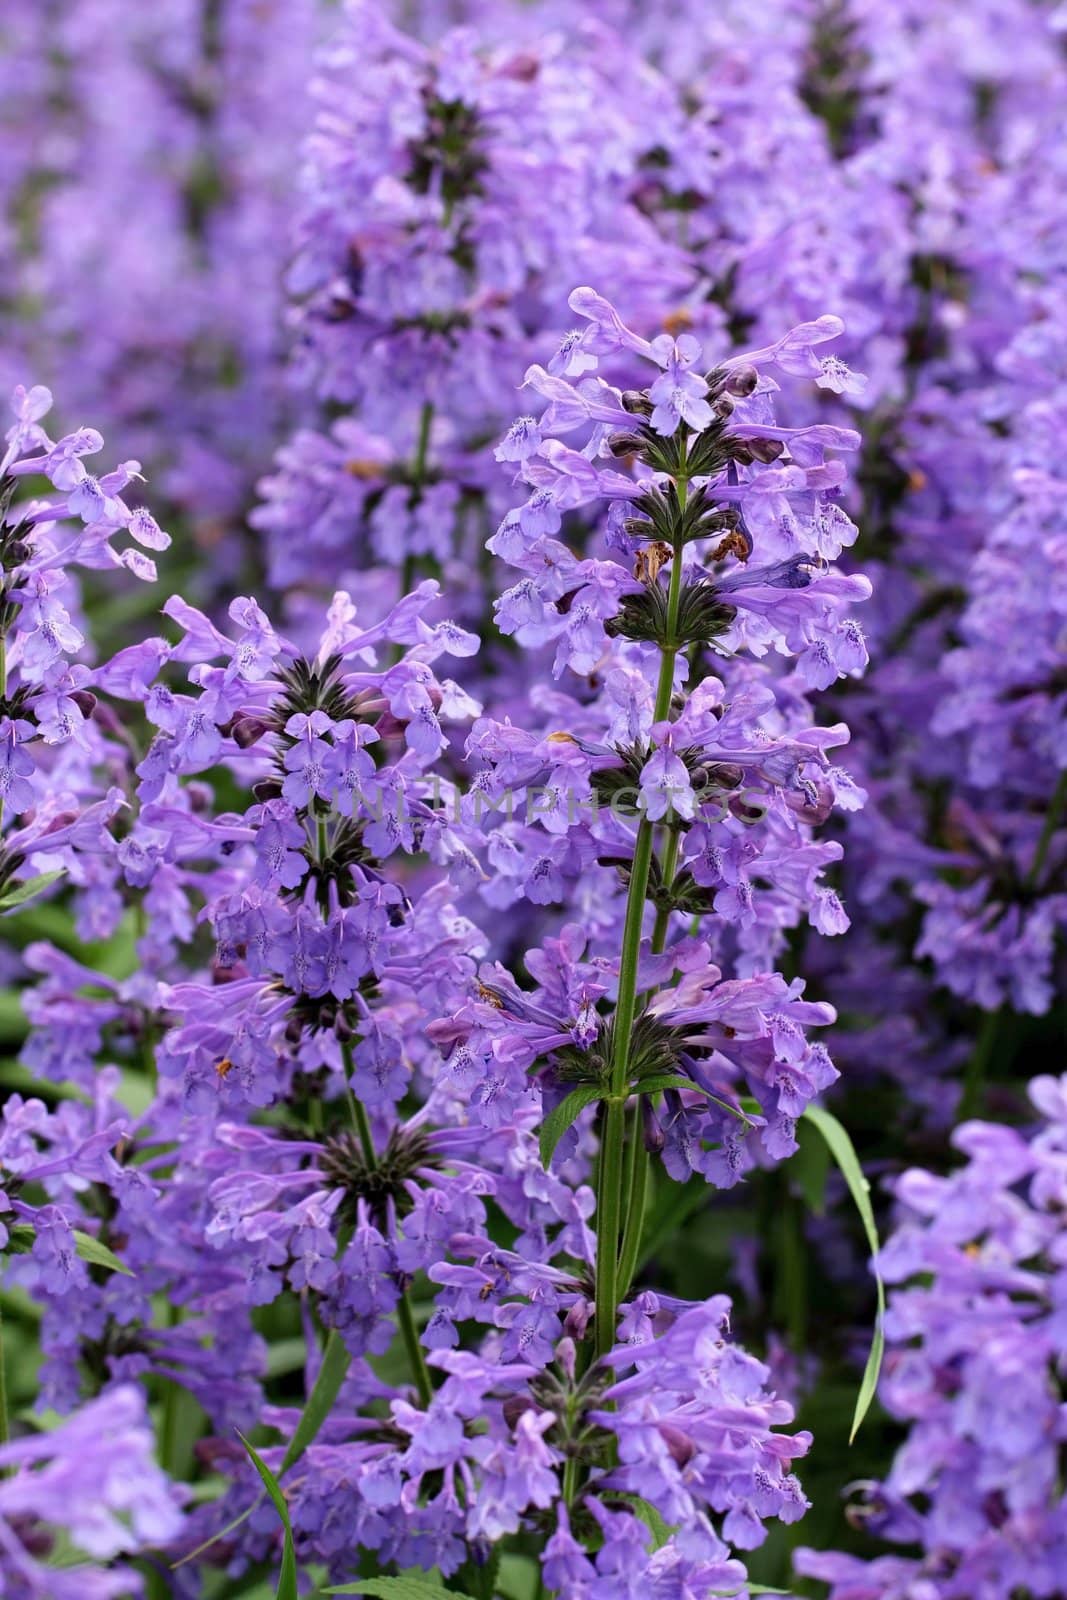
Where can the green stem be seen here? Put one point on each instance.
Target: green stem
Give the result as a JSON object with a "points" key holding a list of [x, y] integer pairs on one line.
{"points": [[357, 1111], [404, 1315], [610, 1168], [608, 1207], [637, 1170], [670, 864], [1052, 819], [975, 1072], [410, 1334], [422, 447], [636, 1187], [570, 1480]]}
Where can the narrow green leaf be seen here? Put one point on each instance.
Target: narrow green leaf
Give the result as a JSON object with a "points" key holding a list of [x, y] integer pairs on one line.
{"points": [[287, 1577], [404, 1587], [811, 1167], [335, 1364], [843, 1151], [558, 1121], [98, 1255], [28, 888], [668, 1080], [222, 1534]]}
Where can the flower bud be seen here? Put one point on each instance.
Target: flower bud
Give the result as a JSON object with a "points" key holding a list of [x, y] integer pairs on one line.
{"points": [[765, 450], [625, 444], [679, 1444], [85, 701], [651, 1131], [246, 729], [742, 381], [515, 1406], [577, 1319]]}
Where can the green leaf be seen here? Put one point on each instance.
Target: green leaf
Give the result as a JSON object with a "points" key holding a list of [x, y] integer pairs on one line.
{"points": [[558, 1121], [811, 1167], [287, 1577], [335, 1364], [669, 1080], [20, 1237], [403, 1588], [519, 1577], [28, 889], [98, 1255], [651, 1518], [843, 1151], [749, 1588]]}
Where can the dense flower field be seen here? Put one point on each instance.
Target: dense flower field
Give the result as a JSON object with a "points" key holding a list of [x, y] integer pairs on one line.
{"points": [[533, 773]]}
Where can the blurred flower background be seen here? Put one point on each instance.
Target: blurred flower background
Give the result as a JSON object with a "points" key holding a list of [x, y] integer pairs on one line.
{"points": [[534, 578]]}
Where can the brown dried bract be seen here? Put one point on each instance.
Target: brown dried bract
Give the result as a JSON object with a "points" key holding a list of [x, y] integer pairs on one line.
{"points": [[650, 560], [735, 544]]}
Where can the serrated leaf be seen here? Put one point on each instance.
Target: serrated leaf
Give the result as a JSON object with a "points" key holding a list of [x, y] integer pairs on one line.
{"points": [[567, 1112], [28, 888], [401, 1588], [843, 1151], [669, 1080], [98, 1255], [335, 1364], [287, 1577]]}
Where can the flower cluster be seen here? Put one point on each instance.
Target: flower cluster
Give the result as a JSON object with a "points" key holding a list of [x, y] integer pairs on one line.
{"points": [[976, 1350], [144, 252]]}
